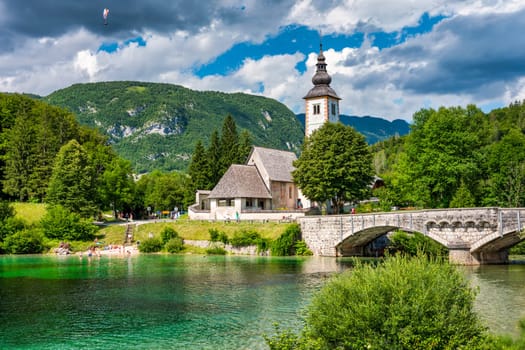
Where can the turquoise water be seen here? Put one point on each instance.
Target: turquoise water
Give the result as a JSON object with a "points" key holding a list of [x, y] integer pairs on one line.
{"points": [[152, 301], [186, 302]]}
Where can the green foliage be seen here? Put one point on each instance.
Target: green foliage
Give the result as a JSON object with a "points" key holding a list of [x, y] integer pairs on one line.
{"points": [[518, 249], [26, 241], [72, 184], [244, 238], [335, 165], [150, 245], [284, 245], [174, 245], [60, 223], [167, 234], [214, 250], [302, 249], [199, 169], [31, 137], [218, 236], [415, 244], [463, 198], [182, 114], [403, 303], [165, 191]]}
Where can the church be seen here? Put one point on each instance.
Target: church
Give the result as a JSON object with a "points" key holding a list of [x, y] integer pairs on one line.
{"points": [[263, 188]]}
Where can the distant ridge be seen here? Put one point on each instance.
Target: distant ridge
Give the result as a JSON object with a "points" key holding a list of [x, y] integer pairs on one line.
{"points": [[374, 129]]}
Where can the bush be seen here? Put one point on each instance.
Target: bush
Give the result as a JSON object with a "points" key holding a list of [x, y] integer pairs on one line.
{"points": [[285, 244], [302, 249], [174, 245], [244, 238], [150, 245], [518, 249], [25, 242], [62, 224], [403, 303], [218, 236], [167, 234], [216, 251]]}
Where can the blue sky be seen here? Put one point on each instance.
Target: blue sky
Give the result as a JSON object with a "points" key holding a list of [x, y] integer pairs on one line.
{"points": [[387, 59]]}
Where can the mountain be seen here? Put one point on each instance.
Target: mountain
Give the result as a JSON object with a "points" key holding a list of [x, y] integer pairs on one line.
{"points": [[156, 126], [373, 128]]}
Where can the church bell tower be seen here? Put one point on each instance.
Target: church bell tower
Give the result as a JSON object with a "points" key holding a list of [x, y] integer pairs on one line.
{"points": [[322, 102]]}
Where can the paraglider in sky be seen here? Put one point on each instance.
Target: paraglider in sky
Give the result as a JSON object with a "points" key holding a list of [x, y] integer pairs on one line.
{"points": [[105, 14]]}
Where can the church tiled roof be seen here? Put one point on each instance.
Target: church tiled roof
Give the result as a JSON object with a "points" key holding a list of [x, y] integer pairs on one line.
{"points": [[278, 164], [241, 181]]}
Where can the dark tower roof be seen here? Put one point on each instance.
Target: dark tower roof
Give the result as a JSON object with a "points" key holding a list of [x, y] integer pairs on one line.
{"points": [[321, 80]]}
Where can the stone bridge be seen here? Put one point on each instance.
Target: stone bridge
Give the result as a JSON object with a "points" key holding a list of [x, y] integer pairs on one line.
{"points": [[472, 235]]}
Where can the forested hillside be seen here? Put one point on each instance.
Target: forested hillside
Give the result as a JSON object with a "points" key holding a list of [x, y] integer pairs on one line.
{"points": [[156, 126], [456, 157], [372, 128]]}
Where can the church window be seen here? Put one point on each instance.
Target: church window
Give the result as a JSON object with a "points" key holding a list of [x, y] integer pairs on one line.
{"points": [[334, 111], [317, 109]]}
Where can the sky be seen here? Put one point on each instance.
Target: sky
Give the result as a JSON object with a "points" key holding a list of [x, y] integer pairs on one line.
{"points": [[387, 58]]}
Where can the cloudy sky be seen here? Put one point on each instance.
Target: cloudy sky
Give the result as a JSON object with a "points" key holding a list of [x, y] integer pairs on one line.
{"points": [[386, 58]]}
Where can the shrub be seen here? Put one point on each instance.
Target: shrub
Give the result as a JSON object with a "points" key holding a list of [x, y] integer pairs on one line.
{"points": [[167, 234], [24, 242], [285, 244], [402, 303], [62, 224], [302, 249], [216, 251], [174, 245], [518, 249], [244, 238], [150, 245], [218, 236]]}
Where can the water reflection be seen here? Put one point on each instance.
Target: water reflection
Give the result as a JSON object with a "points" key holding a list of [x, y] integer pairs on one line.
{"points": [[190, 302]]}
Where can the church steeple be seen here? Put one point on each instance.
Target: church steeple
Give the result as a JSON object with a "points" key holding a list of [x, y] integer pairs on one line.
{"points": [[322, 102]]}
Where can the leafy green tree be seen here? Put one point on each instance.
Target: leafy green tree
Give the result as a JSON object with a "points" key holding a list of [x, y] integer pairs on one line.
{"points": [[168, 233], [117, 188], [335, 165], [72, 182], [463, 198], [60, 223], [165, 191], [403, 303], [443, 150], [506, 169]]}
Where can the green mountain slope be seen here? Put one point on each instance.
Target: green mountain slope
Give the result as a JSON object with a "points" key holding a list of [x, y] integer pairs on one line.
{"points": [[374, 129], [156, 126]]}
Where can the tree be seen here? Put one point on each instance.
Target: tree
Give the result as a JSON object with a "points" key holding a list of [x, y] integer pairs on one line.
{"points": [[443, 150], [214, 158], [403, 303], [335, 165], [72, 182], [199, 169], [506, 169], [245, 146], [117, 187], [229, 144]]}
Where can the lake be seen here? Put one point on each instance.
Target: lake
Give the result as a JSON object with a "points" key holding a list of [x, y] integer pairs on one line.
{"points": [[188, 302]]}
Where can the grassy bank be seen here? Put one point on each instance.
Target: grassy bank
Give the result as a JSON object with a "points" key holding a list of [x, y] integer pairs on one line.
{"points": [[189, 229]]}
